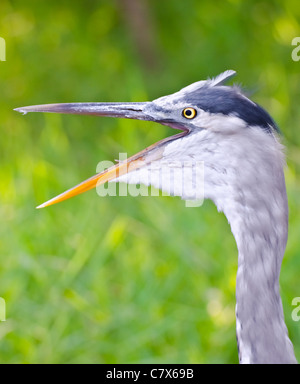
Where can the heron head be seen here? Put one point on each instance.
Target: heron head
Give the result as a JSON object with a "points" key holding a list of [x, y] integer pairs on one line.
{"points": [[205, 112]]}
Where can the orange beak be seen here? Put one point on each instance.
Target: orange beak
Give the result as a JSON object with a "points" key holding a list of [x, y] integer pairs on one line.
{"points": [[94, 181]]}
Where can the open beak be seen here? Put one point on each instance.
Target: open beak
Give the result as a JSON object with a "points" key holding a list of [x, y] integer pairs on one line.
{"points": [[124, 110]]}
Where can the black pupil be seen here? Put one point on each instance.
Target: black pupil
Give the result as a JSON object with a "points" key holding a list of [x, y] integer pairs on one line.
{"points": [[188, 112]]}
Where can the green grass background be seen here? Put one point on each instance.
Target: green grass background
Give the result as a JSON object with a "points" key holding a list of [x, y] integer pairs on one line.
{"points": [[127, 279]]}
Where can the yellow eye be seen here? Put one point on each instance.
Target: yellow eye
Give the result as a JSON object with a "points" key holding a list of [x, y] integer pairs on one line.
{"points": [[189, 113]]}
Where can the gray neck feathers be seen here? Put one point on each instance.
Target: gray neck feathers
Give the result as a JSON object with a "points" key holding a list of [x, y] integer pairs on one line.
{"points": [[261, 239], [253, 197]]}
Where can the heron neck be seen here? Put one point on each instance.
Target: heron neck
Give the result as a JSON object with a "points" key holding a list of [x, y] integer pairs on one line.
{"points": [[259, 222]]}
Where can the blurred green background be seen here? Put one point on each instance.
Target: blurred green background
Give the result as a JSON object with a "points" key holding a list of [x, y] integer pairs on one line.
{"points": [[128, 279]]}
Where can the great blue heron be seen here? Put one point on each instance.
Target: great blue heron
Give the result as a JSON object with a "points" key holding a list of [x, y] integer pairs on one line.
{"points": [[243, 160]]}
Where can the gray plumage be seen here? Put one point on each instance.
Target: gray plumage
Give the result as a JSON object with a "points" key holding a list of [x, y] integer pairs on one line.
{"points": [[237, 142]]}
